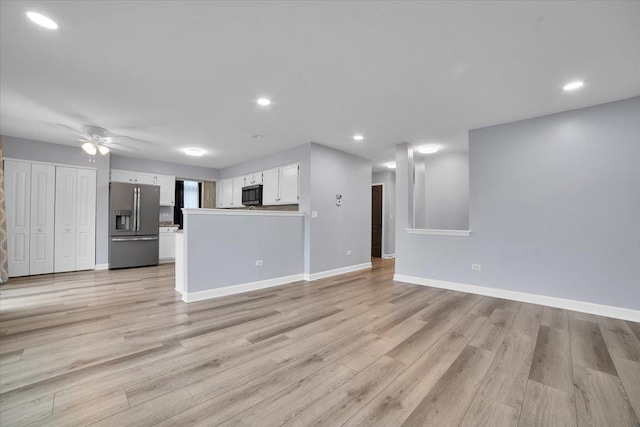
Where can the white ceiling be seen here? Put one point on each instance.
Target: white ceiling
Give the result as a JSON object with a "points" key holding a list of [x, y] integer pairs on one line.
{"points": [[186, 74]]}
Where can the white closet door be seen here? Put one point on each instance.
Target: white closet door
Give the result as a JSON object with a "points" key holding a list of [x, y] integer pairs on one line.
{"points": [[65, 243], [43, 187], [86, 220], [17, 187]]}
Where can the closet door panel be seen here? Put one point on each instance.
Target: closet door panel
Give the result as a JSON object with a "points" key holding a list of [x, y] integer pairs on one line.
{"points": [[17, 185], [86, 220], [65, 221], [41, 245]]}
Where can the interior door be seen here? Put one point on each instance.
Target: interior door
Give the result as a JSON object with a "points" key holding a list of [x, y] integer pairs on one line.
{"points": [[149, 210], [86, 220], [17, 187], [376, 221], [41, 247], [65, 221]]}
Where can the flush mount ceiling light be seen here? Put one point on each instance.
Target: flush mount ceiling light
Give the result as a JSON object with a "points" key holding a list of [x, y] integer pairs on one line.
{"points": [[573, 86], [195, 152], [358, 137], [264, 102], [428, 149], [257, 136], [42, 20], [391, 165]]}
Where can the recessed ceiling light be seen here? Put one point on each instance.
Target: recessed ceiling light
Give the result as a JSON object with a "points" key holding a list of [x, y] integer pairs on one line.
{"points": [[573, 85], [264, 102], [391, 165], [428, 149], [193, 152], [358, 137], [42, 20], [257, 136]]}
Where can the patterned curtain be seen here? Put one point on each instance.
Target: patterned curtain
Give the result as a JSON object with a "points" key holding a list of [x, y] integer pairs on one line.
{"points": [[4, 259]]}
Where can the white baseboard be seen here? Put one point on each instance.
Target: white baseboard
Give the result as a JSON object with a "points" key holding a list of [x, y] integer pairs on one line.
{"points": [[321, 275], [167, 261], [99, 267], [582, 306], [388, 256], [238, 289]]}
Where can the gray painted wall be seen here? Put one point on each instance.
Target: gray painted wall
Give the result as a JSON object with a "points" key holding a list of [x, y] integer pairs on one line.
{"points": [[446, 191], [18, 148], [180, 171], [324, 172], [300, 154], [554, 209], [339, 228], [222, 250], [388, 178]]}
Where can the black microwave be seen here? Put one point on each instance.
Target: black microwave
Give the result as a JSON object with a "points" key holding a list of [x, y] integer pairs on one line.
{"points": [[252, 195]]}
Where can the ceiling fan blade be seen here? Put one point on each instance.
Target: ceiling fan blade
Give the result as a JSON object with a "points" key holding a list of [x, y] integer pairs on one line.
{"points": [[116, 146], [84, 135], [114, 138]]}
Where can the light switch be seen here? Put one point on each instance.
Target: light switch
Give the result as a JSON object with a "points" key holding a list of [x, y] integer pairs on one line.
{"points": [[314, 214]]}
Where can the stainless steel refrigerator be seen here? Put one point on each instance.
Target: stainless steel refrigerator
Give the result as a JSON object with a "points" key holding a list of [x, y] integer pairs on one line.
{"points": [[133, 224]]}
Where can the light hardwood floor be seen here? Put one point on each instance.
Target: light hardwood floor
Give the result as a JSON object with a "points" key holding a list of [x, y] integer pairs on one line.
{"points": [[117, 348]]}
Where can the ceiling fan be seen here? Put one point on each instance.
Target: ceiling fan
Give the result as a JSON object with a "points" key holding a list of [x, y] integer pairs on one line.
{"points": [[97, 139]]}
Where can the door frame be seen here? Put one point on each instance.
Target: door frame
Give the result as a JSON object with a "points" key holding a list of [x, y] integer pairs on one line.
{"points": [[384, 215]]}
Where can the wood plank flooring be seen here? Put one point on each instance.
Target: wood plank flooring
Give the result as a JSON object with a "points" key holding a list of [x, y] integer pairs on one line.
{"points": [[118, 348]]}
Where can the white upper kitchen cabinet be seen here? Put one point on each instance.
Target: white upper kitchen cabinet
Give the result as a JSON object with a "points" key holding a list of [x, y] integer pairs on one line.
{"points": [[43, 188], [236, 200], [280, 186], [65, 222], [118, 175], [145, 178], [86, 220], [167, 189], [253, 179], [270, 187], [17, 187], [288, 187], [227, 193]]}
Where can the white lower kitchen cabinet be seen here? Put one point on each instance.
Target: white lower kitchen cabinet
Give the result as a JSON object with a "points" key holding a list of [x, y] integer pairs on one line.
{"points": [[167, 244]]}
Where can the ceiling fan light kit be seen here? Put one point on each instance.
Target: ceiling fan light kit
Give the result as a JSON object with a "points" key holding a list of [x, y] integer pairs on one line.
{"points": [[97, 139]]}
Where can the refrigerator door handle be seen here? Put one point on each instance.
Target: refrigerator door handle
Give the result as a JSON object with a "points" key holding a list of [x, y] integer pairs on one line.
{"points": [[138, 211], [135, 203]]}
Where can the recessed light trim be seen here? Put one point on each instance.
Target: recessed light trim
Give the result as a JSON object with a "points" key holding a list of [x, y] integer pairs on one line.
{"points": [[43, 21], [391, 165], [428, 149], [195, 152], [358, 137], [573, 86], [263, 102]]}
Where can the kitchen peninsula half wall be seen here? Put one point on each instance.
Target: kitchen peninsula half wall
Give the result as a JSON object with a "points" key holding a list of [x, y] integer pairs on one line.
{"points": [[222, 252]]}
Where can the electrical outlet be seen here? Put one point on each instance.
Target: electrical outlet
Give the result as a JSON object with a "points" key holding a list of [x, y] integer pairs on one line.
{"points": [[348, 253], [259, 263], [476, 267], [339, 202]]}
